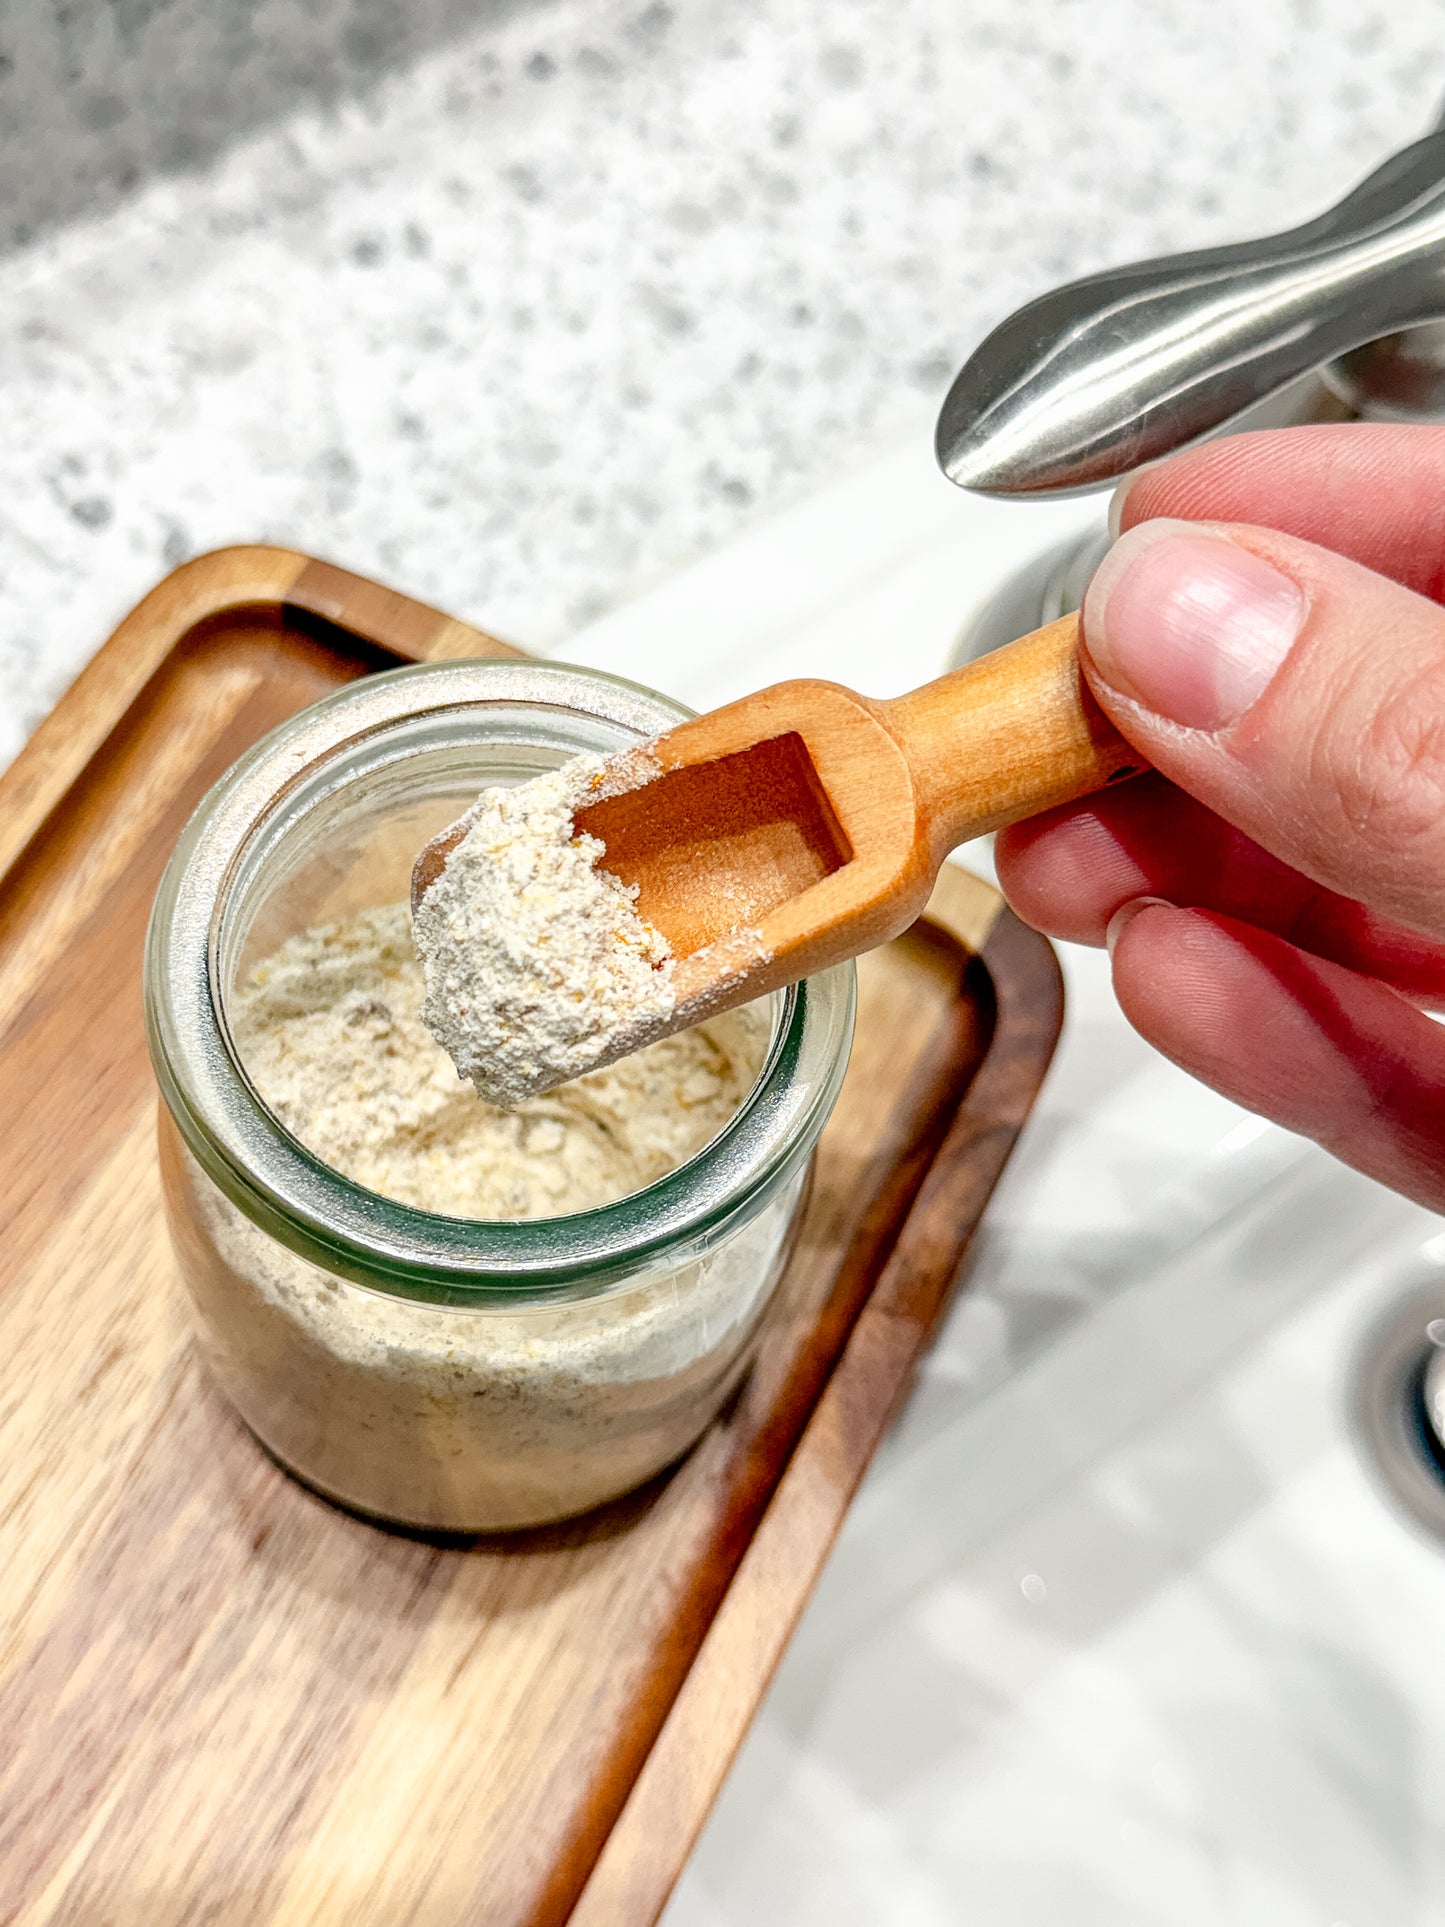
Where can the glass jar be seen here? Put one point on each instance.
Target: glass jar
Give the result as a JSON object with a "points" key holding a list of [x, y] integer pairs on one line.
{"points": [[447, 1373]]}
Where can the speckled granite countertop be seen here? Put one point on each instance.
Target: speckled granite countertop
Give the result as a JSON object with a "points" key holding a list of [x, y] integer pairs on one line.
{"points": [[524, 314]]}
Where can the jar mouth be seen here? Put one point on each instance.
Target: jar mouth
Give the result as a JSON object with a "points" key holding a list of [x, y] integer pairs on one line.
{"points": [[261, 809]]}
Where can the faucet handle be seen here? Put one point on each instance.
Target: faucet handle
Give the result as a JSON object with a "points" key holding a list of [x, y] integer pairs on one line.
{"points": [[1090, 381]]}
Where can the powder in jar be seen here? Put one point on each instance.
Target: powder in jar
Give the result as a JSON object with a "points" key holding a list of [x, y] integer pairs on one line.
{"points": [[466, 1418], [330, 1029], [538, 966]]}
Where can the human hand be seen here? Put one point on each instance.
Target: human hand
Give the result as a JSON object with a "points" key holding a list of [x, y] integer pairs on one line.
{"points": [[1274, 895]]}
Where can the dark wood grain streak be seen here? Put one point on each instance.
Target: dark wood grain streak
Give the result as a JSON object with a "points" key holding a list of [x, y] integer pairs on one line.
{"points": [[160, 1641]]}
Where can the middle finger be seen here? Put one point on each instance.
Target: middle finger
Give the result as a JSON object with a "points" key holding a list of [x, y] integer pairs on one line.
{"points": [[1068, 871]]}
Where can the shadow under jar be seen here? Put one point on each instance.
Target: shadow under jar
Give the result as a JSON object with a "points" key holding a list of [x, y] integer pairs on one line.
{"points": [[447, 1373]]}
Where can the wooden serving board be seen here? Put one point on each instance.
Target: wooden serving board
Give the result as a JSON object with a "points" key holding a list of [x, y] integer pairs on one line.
{"points": [[222, 1699]]}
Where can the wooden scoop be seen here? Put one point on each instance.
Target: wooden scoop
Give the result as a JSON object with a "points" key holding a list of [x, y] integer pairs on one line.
{"points": [[804, 824]]}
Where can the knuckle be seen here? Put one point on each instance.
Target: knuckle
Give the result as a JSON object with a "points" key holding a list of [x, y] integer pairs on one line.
{"points": [[1392, 784]]}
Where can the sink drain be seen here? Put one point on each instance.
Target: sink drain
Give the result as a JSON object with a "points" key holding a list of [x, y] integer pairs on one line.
{"points": [[1399, 1396]]}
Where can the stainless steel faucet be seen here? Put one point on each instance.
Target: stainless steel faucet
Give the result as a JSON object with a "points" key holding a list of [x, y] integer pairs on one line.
{"points": [[1341, 318], [1088, 382]]}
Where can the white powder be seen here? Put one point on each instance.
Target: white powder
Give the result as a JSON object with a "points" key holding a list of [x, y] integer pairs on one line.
{"points": [[452, 1417], [330, 1029], [538, 966], [471, 1420]]}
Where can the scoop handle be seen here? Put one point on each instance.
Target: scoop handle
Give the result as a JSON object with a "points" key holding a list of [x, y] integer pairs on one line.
{"points": [[1007, 736]]}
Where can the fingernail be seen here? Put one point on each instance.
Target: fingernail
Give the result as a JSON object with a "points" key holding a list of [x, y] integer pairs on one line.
{"points": [[1126, 914], [1190, 625]]}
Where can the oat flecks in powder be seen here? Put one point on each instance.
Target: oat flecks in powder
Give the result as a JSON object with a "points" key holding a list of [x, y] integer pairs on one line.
{"points": [[329, 1028], [494, 1416], [538, 966]]}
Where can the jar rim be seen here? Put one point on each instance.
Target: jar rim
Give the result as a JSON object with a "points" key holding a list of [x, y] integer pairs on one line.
{"points": [[375, 1241]]}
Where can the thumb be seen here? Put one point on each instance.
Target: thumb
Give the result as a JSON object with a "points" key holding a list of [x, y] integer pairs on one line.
{"points": [[1297, 694]]}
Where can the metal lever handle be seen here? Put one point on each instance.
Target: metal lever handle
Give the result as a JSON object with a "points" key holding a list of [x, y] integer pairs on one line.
{"points": [[1088, 382]]}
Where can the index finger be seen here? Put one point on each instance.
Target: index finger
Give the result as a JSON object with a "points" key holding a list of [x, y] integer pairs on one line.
{"points": [[1374, 493]]}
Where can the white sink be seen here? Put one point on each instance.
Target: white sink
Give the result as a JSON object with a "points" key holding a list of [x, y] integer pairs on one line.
{"points": [[1122, 1629], [1134, 1638]]}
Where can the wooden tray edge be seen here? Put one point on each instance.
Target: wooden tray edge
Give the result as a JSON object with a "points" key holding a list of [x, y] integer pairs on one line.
{"points": [[669, 1802], [90, 709]]}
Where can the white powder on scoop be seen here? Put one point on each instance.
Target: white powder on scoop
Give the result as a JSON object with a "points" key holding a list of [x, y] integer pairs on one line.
{"points": [[330, 1029], [538, 966]]}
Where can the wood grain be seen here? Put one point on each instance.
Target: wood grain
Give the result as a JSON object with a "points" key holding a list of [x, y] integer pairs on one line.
{"points": [[223, 1699], [803, 824]]}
